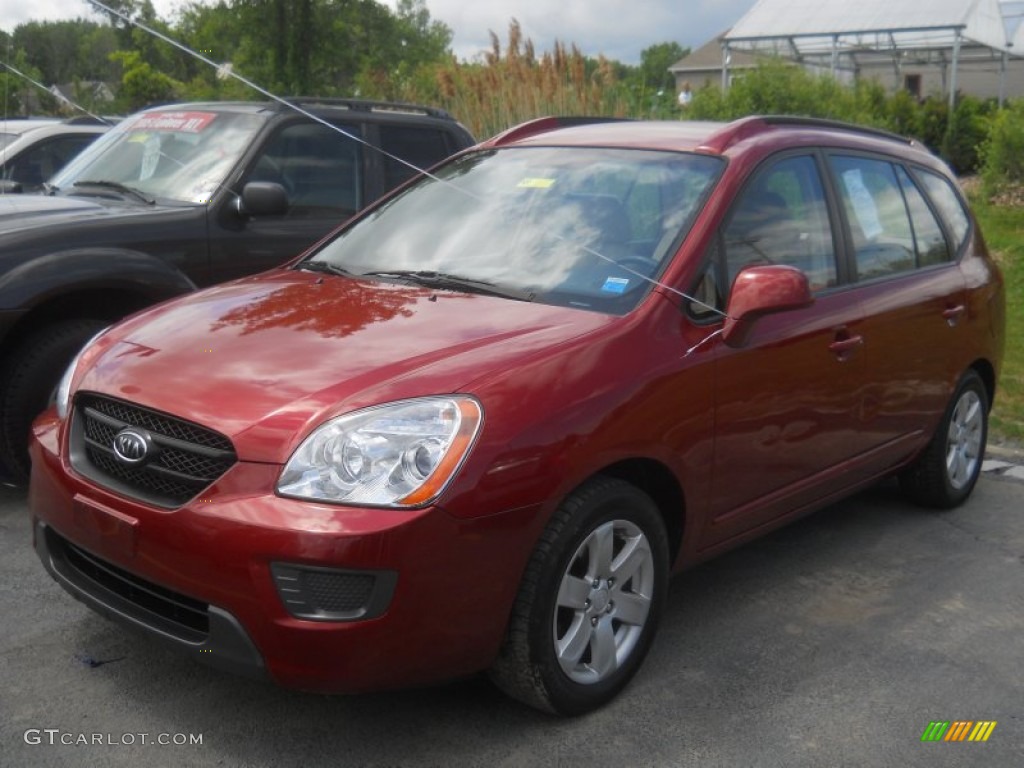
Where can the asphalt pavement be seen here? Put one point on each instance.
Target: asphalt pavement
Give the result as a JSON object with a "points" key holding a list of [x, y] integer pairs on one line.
{"points": [[836, 641]]}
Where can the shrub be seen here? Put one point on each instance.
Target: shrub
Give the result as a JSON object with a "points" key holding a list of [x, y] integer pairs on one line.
{"points": [[964, 135], [904, 115], [1003, 150], [934, 116]]}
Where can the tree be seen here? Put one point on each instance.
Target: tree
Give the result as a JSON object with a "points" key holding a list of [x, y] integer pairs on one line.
{"points": [[421, 39], [316, 47], [56, 49], [18, 95], [132, 9], [651, 87], [141, 84], [655, 61]]}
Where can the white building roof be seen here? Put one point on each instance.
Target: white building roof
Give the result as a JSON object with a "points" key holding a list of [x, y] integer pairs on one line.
{"points": [[817, 26]]}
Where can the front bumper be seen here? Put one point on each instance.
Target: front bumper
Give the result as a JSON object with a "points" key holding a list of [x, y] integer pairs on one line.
{"points": [[213, 634], [211, 577]]}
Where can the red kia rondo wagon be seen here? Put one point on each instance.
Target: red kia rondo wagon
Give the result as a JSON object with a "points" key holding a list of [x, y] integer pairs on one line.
{"points": [[480, 425]]}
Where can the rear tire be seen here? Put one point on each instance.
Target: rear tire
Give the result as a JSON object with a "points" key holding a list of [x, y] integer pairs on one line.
{"points": [[30, 375], [945, 474], [589, 603]]}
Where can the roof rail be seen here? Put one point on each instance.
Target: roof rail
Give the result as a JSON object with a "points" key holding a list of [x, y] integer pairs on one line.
{"points": [[366, 105], [822, 122], [545, 124], [746, 127]]}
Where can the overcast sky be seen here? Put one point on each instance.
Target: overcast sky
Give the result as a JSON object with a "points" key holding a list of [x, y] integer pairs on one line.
{"points": [[619, 29]]}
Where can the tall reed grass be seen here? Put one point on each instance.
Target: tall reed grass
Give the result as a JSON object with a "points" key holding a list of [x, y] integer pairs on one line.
{"points": [[508, 86]]}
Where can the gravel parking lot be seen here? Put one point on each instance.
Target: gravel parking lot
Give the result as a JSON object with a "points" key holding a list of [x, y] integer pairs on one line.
{"points": [[834, 642]]}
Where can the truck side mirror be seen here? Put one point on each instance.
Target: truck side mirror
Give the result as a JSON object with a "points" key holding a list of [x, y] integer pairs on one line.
{"points": [[262, 198]]}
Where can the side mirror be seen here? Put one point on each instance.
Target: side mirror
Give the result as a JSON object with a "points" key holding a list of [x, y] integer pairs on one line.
{"points": [[761, 291], [262, 198], [10, 187]]}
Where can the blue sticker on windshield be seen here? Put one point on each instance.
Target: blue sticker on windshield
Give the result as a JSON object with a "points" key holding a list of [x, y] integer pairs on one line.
{"points": [[615, 285]]}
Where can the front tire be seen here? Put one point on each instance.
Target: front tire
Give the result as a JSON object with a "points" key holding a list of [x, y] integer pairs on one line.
{"points": [[945, 474], [589, 603], [30, 375]]}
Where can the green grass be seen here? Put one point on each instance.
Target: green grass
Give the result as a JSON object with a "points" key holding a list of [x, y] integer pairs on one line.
{"points": [[1003, 227]]}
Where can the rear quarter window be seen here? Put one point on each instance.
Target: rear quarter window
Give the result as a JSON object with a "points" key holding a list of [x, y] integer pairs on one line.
{"points": [[950, 206], [932, 247]]}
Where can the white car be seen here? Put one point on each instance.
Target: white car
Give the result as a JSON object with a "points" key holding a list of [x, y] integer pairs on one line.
{"points": [[33, 150]]}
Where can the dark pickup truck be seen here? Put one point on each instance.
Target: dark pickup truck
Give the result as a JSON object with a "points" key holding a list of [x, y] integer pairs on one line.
{"points": [[180, 197]]}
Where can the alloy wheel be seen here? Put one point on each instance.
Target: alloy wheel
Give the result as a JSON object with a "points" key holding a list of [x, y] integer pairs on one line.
{"points": [[603, 602]]}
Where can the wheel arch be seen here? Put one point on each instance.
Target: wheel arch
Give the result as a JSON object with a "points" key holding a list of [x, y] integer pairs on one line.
{"points": [[660, 483], [987, 372], [105, 284], [95, 303]]}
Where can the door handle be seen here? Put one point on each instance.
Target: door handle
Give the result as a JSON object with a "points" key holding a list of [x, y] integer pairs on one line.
{"points": [[843, 348], [952, 314]]}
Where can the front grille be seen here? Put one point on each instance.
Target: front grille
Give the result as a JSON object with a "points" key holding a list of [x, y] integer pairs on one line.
{"points": [[187, 457], [158, 423], [186, 617]]}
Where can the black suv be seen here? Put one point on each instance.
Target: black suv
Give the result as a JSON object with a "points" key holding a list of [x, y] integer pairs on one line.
{"points": [[180, 197]]}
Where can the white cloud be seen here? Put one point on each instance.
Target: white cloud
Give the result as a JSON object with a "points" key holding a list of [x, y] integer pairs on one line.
{"points": [[619, 29], [16, 12]]}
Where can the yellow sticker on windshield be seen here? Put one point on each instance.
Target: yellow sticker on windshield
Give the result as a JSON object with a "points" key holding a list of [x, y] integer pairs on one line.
{"points": [[535, 183]]}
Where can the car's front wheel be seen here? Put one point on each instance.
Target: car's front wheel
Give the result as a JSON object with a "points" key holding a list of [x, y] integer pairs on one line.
{"points": [[945, 474], [590, 600]]}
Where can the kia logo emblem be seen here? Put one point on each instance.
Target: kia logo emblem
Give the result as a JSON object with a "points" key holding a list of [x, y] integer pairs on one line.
{"points": [[131, 446]]}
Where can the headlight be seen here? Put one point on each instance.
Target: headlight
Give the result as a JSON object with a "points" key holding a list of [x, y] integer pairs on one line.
{"points": [[396, 455], [62, 398]]}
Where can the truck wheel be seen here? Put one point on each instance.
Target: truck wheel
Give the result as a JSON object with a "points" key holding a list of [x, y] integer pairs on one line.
{"points": [[589, 603], [30, 375]]}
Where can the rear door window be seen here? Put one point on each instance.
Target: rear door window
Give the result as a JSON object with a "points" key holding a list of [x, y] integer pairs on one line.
{"points": [[421, 147], [892, 228]]}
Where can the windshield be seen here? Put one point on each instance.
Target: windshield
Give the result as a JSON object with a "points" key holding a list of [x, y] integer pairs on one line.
{"points": [[572, 226], [183, 155]]}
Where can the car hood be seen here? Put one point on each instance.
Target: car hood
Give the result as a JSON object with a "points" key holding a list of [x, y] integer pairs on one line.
{"points": [[16, 209], [266, 359], [22, 212]]}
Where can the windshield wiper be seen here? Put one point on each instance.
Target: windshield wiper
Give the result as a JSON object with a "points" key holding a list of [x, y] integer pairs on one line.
{"points": [[432, 279], [323, 266], [117, 186], [50, 189]]}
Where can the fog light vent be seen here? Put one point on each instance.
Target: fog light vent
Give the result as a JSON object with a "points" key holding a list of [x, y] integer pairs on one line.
{"points": [[329, 594]]}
